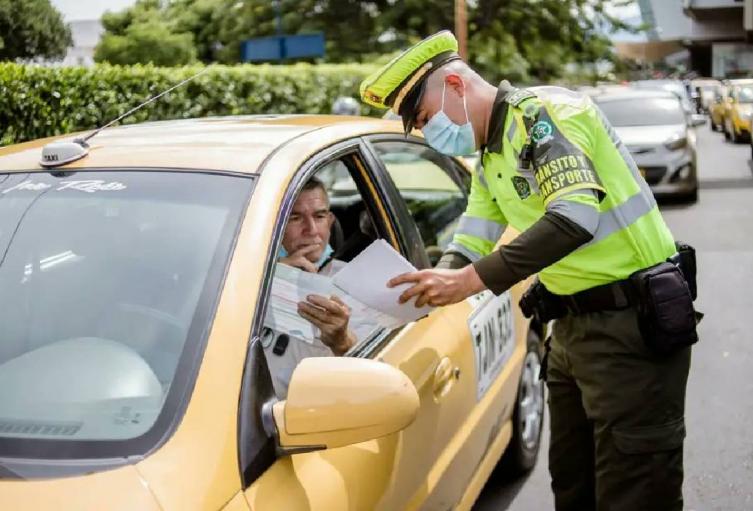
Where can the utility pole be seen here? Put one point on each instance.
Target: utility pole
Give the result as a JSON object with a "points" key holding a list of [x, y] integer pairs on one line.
{"points": [[461, 28]]}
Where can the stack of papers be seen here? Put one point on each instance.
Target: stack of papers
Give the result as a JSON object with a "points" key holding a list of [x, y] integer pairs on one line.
{"points": [[365, 279], [361, 284]]}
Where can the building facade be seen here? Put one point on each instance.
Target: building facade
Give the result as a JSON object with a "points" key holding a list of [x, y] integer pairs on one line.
{"points": [[85, 35], [716, 33]]}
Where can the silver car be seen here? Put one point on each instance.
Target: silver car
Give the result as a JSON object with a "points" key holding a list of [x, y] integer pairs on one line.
{"points": [[674, 86], [659, 134]]}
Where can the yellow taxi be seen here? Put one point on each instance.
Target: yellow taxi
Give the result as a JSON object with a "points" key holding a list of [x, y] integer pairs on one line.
{"points": [[717, 107], [134, 285], [738, 109]]}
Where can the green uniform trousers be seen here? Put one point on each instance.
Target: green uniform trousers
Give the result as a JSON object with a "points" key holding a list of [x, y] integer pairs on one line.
{"points": [[617, 416]]}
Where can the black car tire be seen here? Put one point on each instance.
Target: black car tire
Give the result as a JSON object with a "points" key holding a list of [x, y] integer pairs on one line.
{"points": [[733, 135], [691, 197], [523, 449], [713, 125]]}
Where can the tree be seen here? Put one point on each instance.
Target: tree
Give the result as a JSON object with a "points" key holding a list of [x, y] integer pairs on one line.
{"points": [[147, 42], [31, 29], [522, 40]]}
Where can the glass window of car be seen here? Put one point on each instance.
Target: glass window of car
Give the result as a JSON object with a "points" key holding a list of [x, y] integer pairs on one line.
{"points": [[288, 338], [745, 94], [107, 286], [643, 112], [431, 189]]}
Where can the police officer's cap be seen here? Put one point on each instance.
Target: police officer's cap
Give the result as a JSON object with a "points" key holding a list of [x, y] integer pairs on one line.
{"points": [[400, 84]]}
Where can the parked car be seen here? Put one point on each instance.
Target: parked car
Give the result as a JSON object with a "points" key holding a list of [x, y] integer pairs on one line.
{"points": [[134, 286], [717, 108], [737, 110], [705, 90], [677, 87], [660, 136]]}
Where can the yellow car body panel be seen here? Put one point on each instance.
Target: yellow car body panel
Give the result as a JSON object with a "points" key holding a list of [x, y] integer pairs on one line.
{"points": [[209, 144], [718, 106], [737, 113], [121, 489], [440, 460]]}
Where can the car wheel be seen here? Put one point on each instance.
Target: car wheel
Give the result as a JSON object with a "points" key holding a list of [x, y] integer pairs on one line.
{"points": [[712, 124], [527, 420], [691, 197], [725, 128], [733, 136]]}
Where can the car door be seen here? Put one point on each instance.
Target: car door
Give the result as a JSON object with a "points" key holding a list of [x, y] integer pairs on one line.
{"points": [[399, 471], [433, 192]]}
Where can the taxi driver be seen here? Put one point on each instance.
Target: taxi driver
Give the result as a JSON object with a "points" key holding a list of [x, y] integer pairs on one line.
{"points": [[305, 245]]}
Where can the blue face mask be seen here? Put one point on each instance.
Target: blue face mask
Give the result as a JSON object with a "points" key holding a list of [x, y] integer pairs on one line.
{"points": [[447, 137], [322, 259]]}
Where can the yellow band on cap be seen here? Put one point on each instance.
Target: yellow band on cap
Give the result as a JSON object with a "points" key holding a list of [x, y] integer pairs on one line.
{"points": [[408, 86]]}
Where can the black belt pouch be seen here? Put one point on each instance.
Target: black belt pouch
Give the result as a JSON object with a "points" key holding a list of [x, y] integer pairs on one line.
{"points": [[666, 316], [686, 256]]}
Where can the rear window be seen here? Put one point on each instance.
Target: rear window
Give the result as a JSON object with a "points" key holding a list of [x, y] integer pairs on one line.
{"points": [[643, 112], [107, 286], [745, 94]]}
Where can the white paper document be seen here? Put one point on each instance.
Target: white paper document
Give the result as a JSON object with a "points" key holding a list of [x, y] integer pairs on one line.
{"points": [[361, 284], [290, 286], [365, 279]]}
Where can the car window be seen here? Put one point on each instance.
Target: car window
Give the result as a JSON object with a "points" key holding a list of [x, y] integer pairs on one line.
{"points": [[435, 200], [102, 280], [344, 229], [745, 94], [646, 112]]}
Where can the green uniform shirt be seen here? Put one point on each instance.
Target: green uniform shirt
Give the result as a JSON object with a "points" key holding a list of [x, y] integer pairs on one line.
{"points": [[577, 157]]}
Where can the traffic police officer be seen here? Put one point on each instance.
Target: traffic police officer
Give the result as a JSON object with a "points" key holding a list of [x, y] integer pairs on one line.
{"points": [[554, 169]]}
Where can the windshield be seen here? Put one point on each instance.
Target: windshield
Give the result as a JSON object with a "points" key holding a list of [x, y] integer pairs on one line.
{"points": [[643, 112], [677, 88], [107, 281], [745, 94]]}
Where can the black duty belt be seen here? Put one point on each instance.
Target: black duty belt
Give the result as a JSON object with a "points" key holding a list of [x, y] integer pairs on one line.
{"points": [[613, 296], [545, 306]]}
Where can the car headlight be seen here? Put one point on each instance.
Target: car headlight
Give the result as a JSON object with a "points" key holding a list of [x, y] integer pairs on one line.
{"points": [[681, 174], [676, 142]]}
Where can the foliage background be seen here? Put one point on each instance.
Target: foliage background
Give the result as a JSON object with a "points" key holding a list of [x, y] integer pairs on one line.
{"points": [[38, 101], [521, 40], [31, 29]]}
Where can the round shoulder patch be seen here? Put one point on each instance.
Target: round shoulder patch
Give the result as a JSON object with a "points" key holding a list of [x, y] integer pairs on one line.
{"points": [[541, 132]]}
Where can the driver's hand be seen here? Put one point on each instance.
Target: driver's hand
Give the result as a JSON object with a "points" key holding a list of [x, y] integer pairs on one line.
{"points": [[331, 316], [298, 259]]}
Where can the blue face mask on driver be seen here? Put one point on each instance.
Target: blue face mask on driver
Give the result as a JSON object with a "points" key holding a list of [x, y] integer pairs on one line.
{"points": [[447, 137]]}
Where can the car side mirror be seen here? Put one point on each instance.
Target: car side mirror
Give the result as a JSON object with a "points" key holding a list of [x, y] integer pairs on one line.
{"points": [[338, 401], [697, 120]]}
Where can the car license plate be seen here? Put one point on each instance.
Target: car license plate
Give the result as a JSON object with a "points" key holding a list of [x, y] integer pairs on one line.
{"points": [[493, 334]]}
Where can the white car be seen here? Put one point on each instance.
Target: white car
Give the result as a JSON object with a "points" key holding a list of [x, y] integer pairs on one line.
{"points": [[659, 134]]}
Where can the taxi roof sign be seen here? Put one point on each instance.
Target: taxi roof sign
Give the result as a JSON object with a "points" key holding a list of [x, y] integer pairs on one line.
{"points": [[61, 153]]}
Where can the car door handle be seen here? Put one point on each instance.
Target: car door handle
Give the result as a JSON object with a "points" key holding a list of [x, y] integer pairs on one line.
{"points": [[445, 376]]}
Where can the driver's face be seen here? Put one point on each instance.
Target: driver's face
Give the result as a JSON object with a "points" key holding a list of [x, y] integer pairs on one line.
{"points": [[310, 223]]}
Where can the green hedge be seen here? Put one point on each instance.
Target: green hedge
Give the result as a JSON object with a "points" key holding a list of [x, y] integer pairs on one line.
{"points": [[40, 101]]}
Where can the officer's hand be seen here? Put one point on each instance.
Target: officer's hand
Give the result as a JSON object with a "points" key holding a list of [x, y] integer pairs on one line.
{"points": [[298, 259], [439, 287], [331, 317]]}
